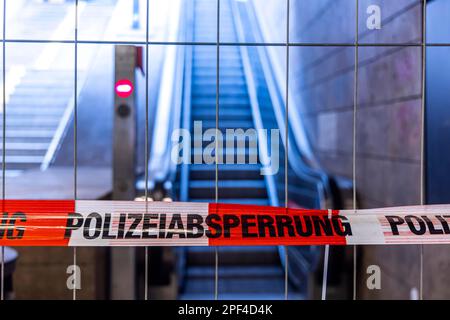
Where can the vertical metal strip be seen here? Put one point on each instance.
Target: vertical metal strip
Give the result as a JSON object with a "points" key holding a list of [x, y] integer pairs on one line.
{"points": [[146, 142], [325, 266], [355, 106], [216, 251], [422, 139], [75, 141], [286, 162], [2, 276]]}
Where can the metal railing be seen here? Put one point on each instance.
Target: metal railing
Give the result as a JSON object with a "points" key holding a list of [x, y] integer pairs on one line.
{"points": [[161, 168]]}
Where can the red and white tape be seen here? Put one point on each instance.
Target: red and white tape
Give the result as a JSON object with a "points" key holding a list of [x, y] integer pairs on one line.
{"points": [[137, 223]]}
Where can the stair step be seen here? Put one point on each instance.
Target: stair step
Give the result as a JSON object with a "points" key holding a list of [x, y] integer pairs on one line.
{"points": [[241, 296], [226, 68], [28, 139], [25, 153], [32, 122], [23, 159], [33, 111], [222, 95], [207, 72], [235, 189], [223, 81], [224, 114], [258, 202], [25, 146], [226, 171], [211, 54], [230, 285], [234, 102], [270, 271], [11, 173], [38, 89], [41, 101], [226, 124], [29, 133], [211, 89], [248, 155], [272, 285], [244, 256], [212, 64]]}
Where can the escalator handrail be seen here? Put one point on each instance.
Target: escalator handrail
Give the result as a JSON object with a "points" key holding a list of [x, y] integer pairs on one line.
{"points": [[295, 159], [186, 107], [256, 111], [169, 103]]}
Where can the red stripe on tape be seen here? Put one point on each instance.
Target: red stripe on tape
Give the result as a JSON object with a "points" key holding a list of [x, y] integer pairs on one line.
{"points": [[236, 225], [131, 223], [34, 222]]}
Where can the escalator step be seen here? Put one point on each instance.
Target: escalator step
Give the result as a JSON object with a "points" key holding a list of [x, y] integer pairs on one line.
{"points": [[233, 101], [244, 272], [233, 256], [211, 88], [228, 189], [223, 80], [242, 296], [226, 171], [258, 202], [252, 271], [224, 114], [230, 285], [227, 124]]}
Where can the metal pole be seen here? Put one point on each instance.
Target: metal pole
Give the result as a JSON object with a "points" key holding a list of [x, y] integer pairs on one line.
{"points": [[2, 275], [216, 251], [355, 106], [75, 142], [146, 142], [286, 160], [422, 141]]}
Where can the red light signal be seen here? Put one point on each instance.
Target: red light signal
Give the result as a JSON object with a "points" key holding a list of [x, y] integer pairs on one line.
{"points": [[124, 88]]}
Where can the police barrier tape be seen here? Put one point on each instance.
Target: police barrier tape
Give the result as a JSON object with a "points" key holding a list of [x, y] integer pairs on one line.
{"points": [[137, 223]]}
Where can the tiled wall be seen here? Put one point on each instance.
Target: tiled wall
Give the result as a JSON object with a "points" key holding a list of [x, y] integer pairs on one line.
{"points": [[42, 273], [388, 121]]}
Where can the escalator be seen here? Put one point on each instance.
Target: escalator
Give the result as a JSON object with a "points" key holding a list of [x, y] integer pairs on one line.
{"points": [[250, 98], [244, 272]]}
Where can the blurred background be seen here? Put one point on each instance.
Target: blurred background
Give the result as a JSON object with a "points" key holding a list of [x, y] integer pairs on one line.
{"points": [[64, 116]]}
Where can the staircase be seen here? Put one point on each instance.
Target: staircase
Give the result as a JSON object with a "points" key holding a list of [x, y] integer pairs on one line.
{"points": [[33, 113], [244, 272], [40, 76]]}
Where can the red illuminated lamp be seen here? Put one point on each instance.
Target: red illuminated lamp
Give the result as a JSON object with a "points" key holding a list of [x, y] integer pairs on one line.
{"points": [[124, 88]]}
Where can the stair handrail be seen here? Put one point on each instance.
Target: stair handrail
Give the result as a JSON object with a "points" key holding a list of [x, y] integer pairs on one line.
{"points": [[296, 161], [169, 103], [256, 111]]}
